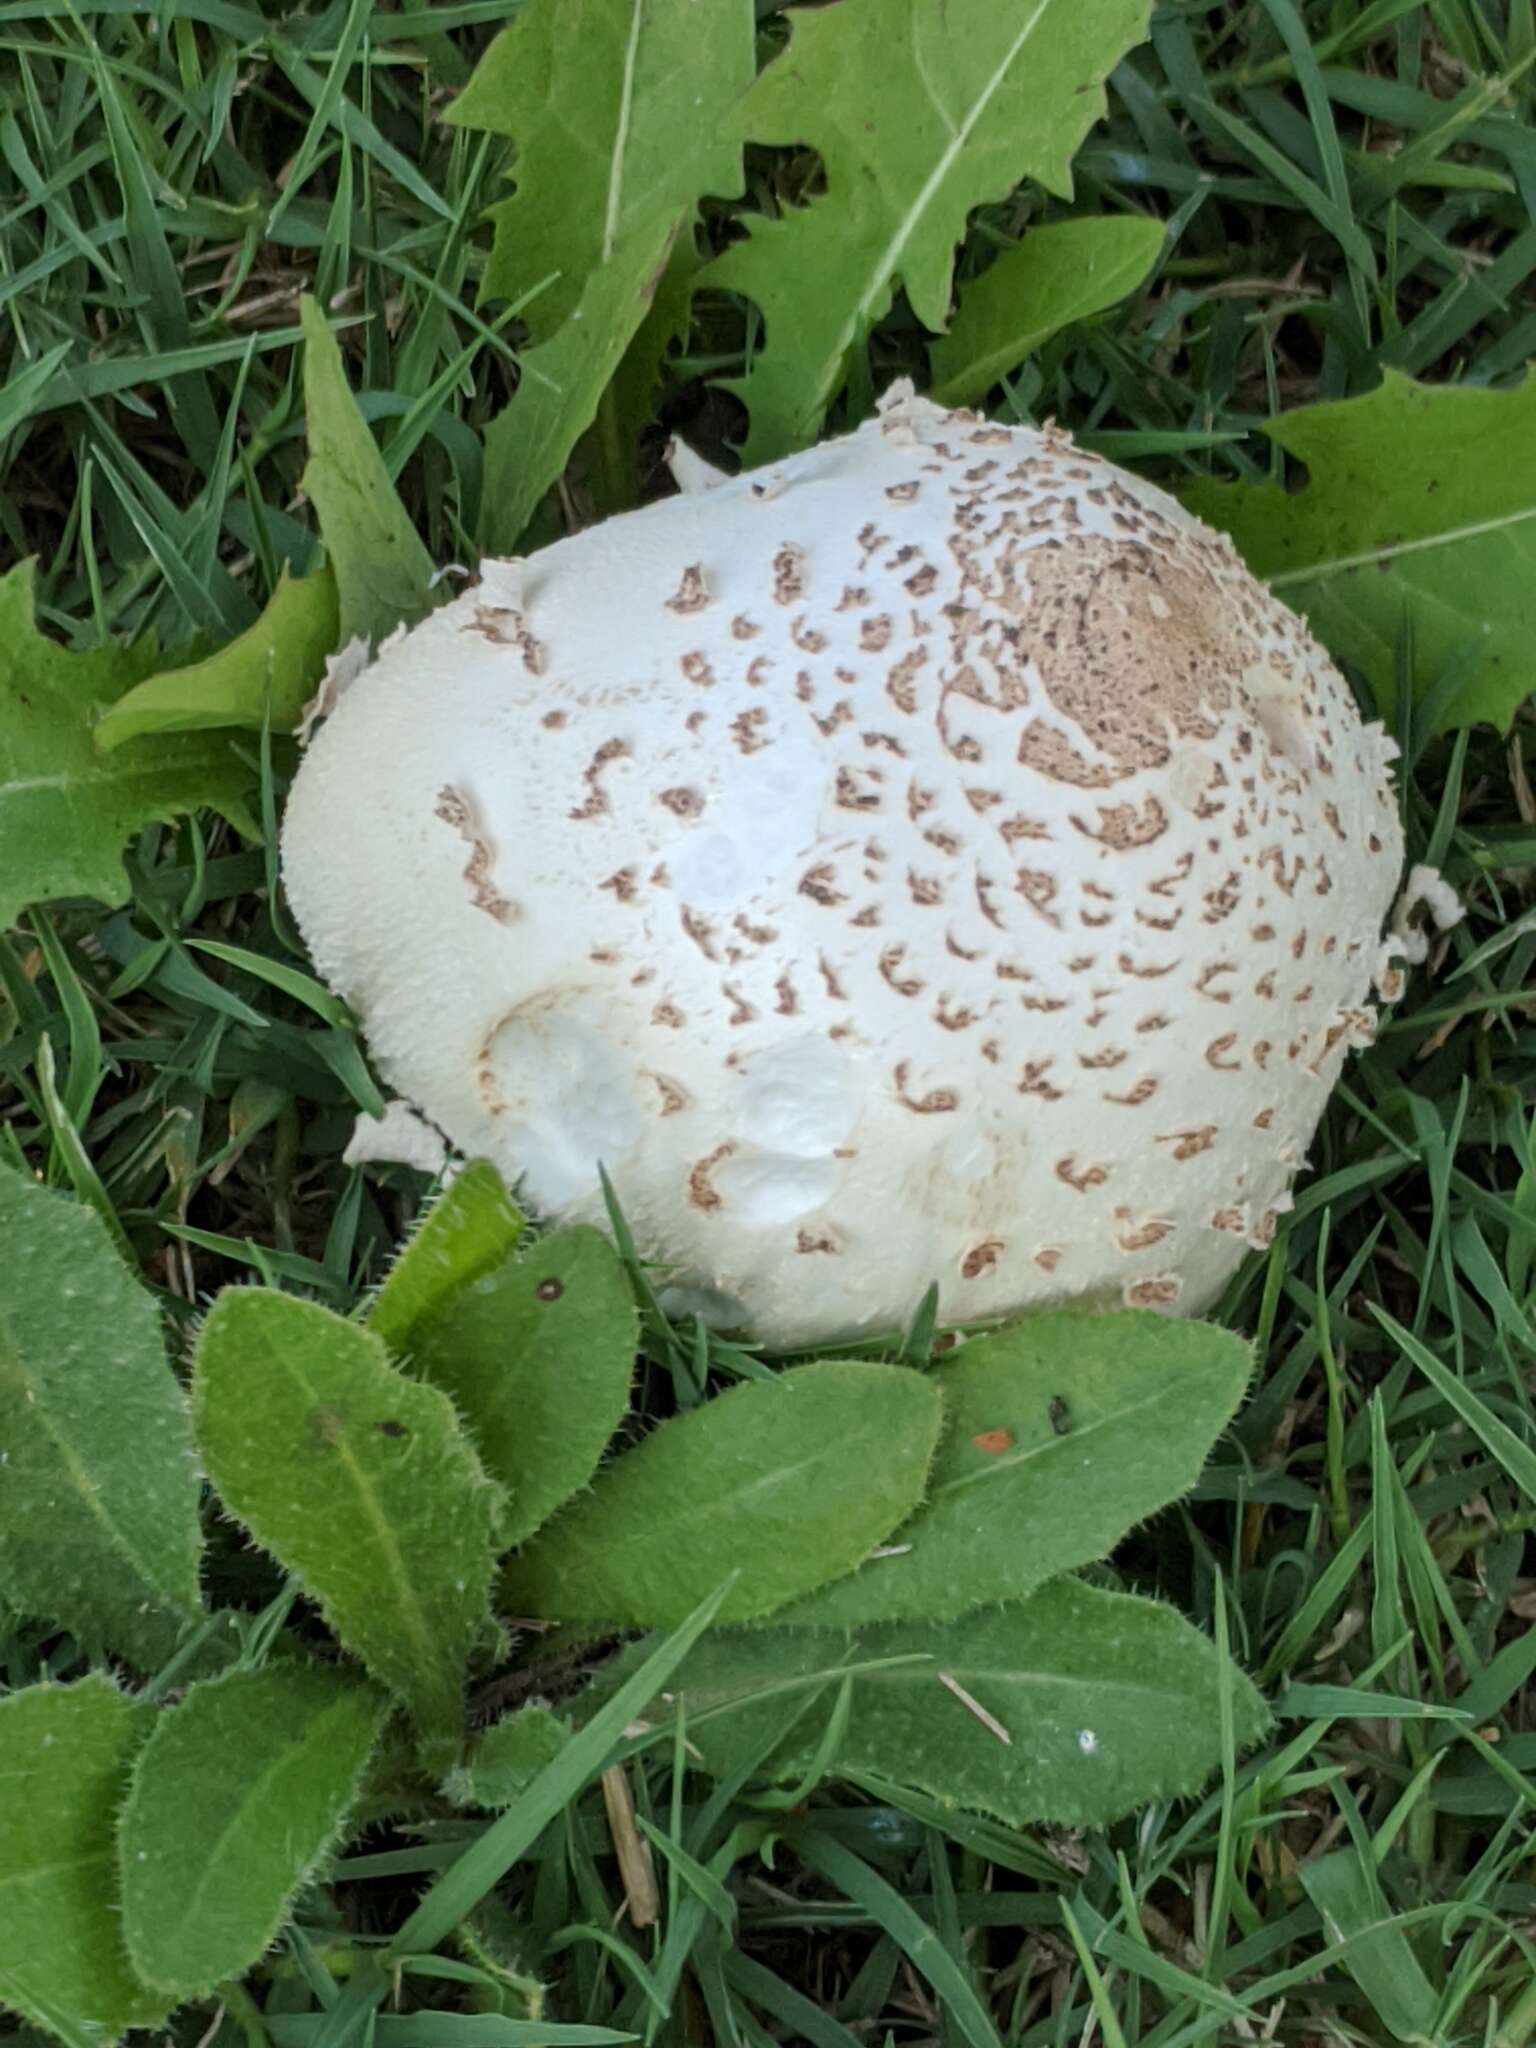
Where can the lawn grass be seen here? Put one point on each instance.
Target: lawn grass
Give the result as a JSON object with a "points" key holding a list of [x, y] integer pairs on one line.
{"points": [[1350, 190]]}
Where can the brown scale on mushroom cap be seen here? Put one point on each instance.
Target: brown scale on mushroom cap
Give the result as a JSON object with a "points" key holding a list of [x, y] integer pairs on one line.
{"points": [[1006, 868]]}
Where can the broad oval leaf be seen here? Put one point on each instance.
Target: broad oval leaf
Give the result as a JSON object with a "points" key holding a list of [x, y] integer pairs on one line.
{"points": [[67, 1751], [538, 1355], [98, 1487], [239, 1791], [788, 1481], [1058, 274], [471, 1227], [1074, 1706], [974, 95], [1419, 512], [1060, 1434], [359, 1481]]}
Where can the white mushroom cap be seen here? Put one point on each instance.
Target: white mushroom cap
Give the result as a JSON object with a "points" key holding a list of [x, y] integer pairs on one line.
{"points": [[934, 858]]}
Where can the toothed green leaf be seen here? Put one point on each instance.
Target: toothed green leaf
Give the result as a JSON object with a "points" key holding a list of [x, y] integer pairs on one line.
{"points": [[561, 382], [1415, 528], [974, 95], [66, 810], [621, 116], [266, 675], [617, 113], [1057, 274], [611, 452], [382, 567]]}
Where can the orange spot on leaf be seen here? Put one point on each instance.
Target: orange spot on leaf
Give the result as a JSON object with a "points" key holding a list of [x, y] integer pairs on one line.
{"points": [[995, 1441]]}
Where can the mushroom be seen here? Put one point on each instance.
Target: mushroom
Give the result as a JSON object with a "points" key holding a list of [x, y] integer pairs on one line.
{"points": [[934, 859]]}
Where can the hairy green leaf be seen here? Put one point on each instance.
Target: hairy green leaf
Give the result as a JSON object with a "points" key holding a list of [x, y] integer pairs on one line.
{"points": [[791, 1481], [973, 96], [616, 107], [98, 1485], [359, 1481], [239, 1791], [1060, 1433], [470, 1228], [64, 1757], [267, 674], [1075, 1705], [508, 1757], [538, 1355], [65, 808], [382, 568], [1418, 514], [1058, 274]]}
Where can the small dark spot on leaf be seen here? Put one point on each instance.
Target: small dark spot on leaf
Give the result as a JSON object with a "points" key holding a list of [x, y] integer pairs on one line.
{"points": [[550, 1290], [392, 1428], [1061, 1415]]}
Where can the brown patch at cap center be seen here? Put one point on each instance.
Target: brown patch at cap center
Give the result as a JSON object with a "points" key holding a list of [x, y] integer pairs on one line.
{"points": [[1130, 646]]}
